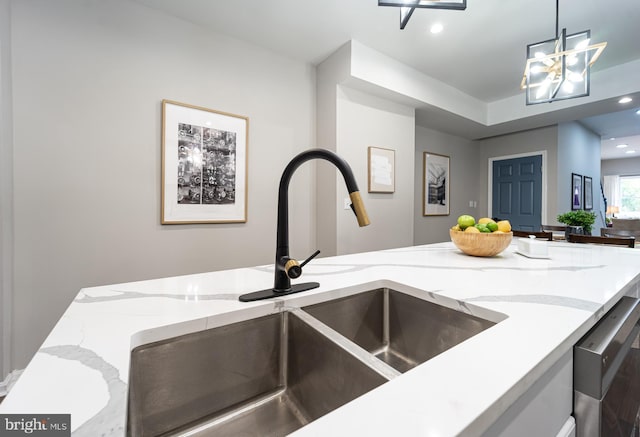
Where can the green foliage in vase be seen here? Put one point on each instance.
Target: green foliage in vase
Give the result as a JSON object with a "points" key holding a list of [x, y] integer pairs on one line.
{"points": [[578, 218]]}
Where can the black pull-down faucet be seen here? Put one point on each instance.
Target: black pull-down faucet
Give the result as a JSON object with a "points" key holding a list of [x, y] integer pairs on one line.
{"points": [[286, 267]]}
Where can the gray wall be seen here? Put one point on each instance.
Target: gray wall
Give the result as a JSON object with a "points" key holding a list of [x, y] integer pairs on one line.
{"points": [[6, 189], [362, 121], [329, 73], [536, 140], [623, 167], [80, 155], [579, 152], [348, 122], [88, 79], [465, 183]]}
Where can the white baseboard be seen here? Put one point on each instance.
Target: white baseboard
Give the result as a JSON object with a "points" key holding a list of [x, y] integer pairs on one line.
{"points": [[7, 384]]}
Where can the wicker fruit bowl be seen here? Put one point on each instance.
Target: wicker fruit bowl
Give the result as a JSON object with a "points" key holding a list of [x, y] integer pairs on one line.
{"points": [[480, 243]]}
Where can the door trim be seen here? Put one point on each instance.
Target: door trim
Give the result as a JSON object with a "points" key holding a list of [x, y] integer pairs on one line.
{"points": [[543, 153]]}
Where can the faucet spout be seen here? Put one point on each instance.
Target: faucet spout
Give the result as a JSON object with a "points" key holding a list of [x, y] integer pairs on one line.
{"points": [[286, 267], [358, 209]]}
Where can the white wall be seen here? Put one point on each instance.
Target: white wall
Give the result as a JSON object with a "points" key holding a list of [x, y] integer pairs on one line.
{"points": [[362, 121], [464, 183], [579, 152], [88, 79], [536, 140], [412, 86]]}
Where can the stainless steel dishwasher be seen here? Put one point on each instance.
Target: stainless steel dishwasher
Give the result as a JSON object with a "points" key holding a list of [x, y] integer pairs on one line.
{"points": [[607, 375]]}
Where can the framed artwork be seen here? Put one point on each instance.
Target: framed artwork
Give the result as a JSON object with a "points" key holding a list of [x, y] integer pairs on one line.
{"points": [[204, 165], [381, 173], [435, 184], [576, 191], [588, 193]]}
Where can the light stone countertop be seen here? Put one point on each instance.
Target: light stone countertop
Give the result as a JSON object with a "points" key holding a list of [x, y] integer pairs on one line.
{"points": [[546, 305]]}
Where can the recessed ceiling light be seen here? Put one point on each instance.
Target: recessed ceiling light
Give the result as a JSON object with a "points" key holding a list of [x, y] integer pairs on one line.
{"points": [[612, 138], [625, 100], [622, 146], [437, 28], [630, 151], [638, 112]]}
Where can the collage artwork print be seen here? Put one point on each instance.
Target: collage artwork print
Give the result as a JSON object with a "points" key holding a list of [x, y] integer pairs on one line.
{"points": [[206, 165]]}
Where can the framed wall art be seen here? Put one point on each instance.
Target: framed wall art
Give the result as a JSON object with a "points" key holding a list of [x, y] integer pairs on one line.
{"points": [[435, 184], [576, 191], [588, 193], [204, 165], [381, 173]]}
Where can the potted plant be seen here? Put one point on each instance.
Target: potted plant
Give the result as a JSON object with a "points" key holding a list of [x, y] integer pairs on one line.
{"points": [[582, 218]]}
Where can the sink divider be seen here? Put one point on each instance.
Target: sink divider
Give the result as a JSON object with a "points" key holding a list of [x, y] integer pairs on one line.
{"points": [[379, 366], [386, 338], [284, 351], [386, 332]]}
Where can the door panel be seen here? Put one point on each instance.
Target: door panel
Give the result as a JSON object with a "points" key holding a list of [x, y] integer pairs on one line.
{"points": [[527, 198], [517, 192], [527, 168], [505, 198], [505, 170]]}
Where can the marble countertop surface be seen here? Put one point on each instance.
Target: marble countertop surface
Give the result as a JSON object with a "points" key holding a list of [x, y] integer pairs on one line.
{"points": [[546, 305]]}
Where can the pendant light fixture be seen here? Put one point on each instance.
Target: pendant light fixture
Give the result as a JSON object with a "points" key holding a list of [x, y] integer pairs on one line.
{"points": [[559, 68], [408, 6]]}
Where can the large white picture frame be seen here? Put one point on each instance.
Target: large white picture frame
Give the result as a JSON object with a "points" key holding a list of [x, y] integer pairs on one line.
{"points": [[204, 165]]}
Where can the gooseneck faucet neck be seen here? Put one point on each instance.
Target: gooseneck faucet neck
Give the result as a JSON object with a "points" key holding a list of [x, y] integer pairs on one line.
{"points": [[286, 267], [282, 281]]}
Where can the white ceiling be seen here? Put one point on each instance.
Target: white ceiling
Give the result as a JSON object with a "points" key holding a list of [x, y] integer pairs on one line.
{"points": [[617, 128], [481, 50], [621, 147]]}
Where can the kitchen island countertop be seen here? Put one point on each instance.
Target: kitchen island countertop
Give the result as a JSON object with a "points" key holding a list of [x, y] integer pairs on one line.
{"points": [[544, 306]]}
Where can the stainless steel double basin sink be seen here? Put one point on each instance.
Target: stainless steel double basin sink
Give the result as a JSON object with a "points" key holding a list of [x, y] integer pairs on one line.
{"points": [[271, 375]]}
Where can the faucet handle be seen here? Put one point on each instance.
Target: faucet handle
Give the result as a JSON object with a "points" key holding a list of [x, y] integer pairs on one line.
{"points": [[313, 255], [294, 269]]}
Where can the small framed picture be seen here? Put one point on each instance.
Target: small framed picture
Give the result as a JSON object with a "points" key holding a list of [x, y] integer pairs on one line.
{"points": [[576, 191], [381, 165], [435, 184], [588, 193], [204, 165]]}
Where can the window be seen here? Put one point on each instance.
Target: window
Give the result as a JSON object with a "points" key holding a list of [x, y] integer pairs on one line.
{"points": [[630, 195]]}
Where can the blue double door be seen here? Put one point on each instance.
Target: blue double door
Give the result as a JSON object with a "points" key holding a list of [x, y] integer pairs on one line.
{"points": [[517, 192]]}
